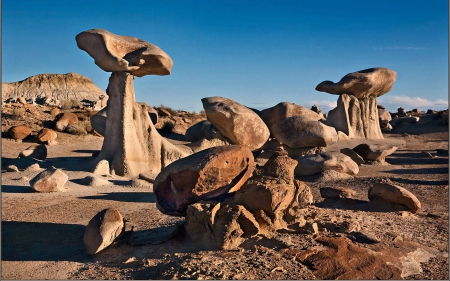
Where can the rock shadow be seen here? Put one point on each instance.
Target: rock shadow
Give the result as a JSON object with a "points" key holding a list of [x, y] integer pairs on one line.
{"points": [[42, 241], [17, 189], [138, 197], [418, 171], [360, 205], [421, 182], [88, 151]]}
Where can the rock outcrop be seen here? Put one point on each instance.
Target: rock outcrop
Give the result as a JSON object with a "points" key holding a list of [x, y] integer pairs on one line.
{"points": [[53, 88]]}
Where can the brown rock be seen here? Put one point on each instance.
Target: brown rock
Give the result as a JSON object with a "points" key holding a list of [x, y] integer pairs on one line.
{"points": [[284, 110], [374, 152], [238, 123], [352, 154], [22, 100], [55, 111], [46, 135], [205, 174], [163, 112], [65, 119], [313, 164], [102, 230], [50, 180], [337, 192], [395, 194], [19, 132]]}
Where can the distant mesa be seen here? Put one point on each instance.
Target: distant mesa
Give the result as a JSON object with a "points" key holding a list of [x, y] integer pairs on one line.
{"points": [[51, 89], [114, 53]]}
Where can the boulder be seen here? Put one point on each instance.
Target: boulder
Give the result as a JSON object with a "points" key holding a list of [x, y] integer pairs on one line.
{"points": [[314, 164], [284, 110], [12, 168], [238, 123], [395, 194], [352, 154], [55, 111], [102, 230], [301, 131], [203, 175], [219, 226], [98, 121], [200, 130], [94, 181], [50, 180], [22, 100], [374, 152], [337, 192], [36, 151], [407, 119], [372, 82], [19, 132], [115, 53], [383, 114], [65, 119], [45, 135]]}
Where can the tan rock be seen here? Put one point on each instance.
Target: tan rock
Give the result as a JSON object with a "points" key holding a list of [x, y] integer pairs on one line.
{"points": [[395, 194], [337, 192], [205, 174], [19, 132], [22, 100], [45, 135], [55, 111], [36, 151], [352, 154], [313, 164], [65, 119], [102, 230], [50, 180], [301, 131], [285, 110], [114, 53], [238, 123], [374, 152]]}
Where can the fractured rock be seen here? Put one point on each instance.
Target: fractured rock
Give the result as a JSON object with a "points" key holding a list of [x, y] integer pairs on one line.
{"points": [[102, 230], [238, 123], [301, 131], [50, 180], [200, 176], [314, 164], [395, 194]]}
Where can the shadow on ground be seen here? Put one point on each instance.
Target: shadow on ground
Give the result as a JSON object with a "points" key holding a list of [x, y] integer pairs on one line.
{"points": [[141, 197]]}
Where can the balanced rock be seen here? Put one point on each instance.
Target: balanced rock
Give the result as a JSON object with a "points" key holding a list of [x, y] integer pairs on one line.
{"points": [[374, 152], [238, 123], [46, 134], [219, 226], [36, 151], [19, 132], [114, 53], [395, 194], [50, 180], [200, 176], [285, 110], [331, 161], [65, 119], [372, 82], [301, 131], [102, 230]]}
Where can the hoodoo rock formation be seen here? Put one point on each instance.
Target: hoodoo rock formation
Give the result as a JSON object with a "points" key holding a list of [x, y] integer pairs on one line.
{"points": [[131, 145], [356, 113]]}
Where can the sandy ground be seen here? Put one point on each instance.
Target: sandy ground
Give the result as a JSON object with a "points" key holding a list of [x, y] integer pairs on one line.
{"points": [[42, 233]]}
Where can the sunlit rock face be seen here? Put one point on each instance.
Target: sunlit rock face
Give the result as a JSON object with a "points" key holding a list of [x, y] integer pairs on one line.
{"points": [[113, 53]]}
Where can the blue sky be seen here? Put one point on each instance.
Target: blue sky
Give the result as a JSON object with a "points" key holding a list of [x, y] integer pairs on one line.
{"points": [[258, 53]]}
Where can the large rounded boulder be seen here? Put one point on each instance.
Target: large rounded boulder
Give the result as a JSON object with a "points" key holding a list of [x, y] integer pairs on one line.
{"points": [[238, 123], [200, 176], [285, 110], [301, 131], [313, 164]]}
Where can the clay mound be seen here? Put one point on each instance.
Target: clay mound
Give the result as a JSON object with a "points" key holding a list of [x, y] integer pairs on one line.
{"points": [[53, 86]]}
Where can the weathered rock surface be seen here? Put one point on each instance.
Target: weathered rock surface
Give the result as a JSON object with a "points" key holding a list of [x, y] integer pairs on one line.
{"points": [[98, 121], [114, 53], [94, 181], [19, 132], [36, 151], [45, 88], [201, 130], [65, 119], [46, 135], [301, 131], [220, 226], [313, 164], [374, 152], [238, 123], [284, 110], [352, 154], [337, 192], [395, 194], [203, 175], [383, 114], [102, 230], [372, 82], [50, 180], [407, 119]]}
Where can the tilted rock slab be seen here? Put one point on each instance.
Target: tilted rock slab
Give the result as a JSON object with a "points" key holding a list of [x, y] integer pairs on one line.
{"points": [[203, 175], [395, 194], [238, 123], [285, 110], [374, 152], [102, 230], [301, 131], [50, 180], [356, 113], [335, 161], [114, 53]]}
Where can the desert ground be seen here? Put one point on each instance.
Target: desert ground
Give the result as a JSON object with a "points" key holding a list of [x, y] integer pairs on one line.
{"points": [[42, 233]]}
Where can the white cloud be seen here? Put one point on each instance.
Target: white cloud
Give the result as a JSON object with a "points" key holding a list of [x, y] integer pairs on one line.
{"points": [[412, 102]]}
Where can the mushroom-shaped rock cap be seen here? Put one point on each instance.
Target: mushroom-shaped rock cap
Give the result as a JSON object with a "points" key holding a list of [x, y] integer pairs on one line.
{"points": [[373, 82], [113, 52]]}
